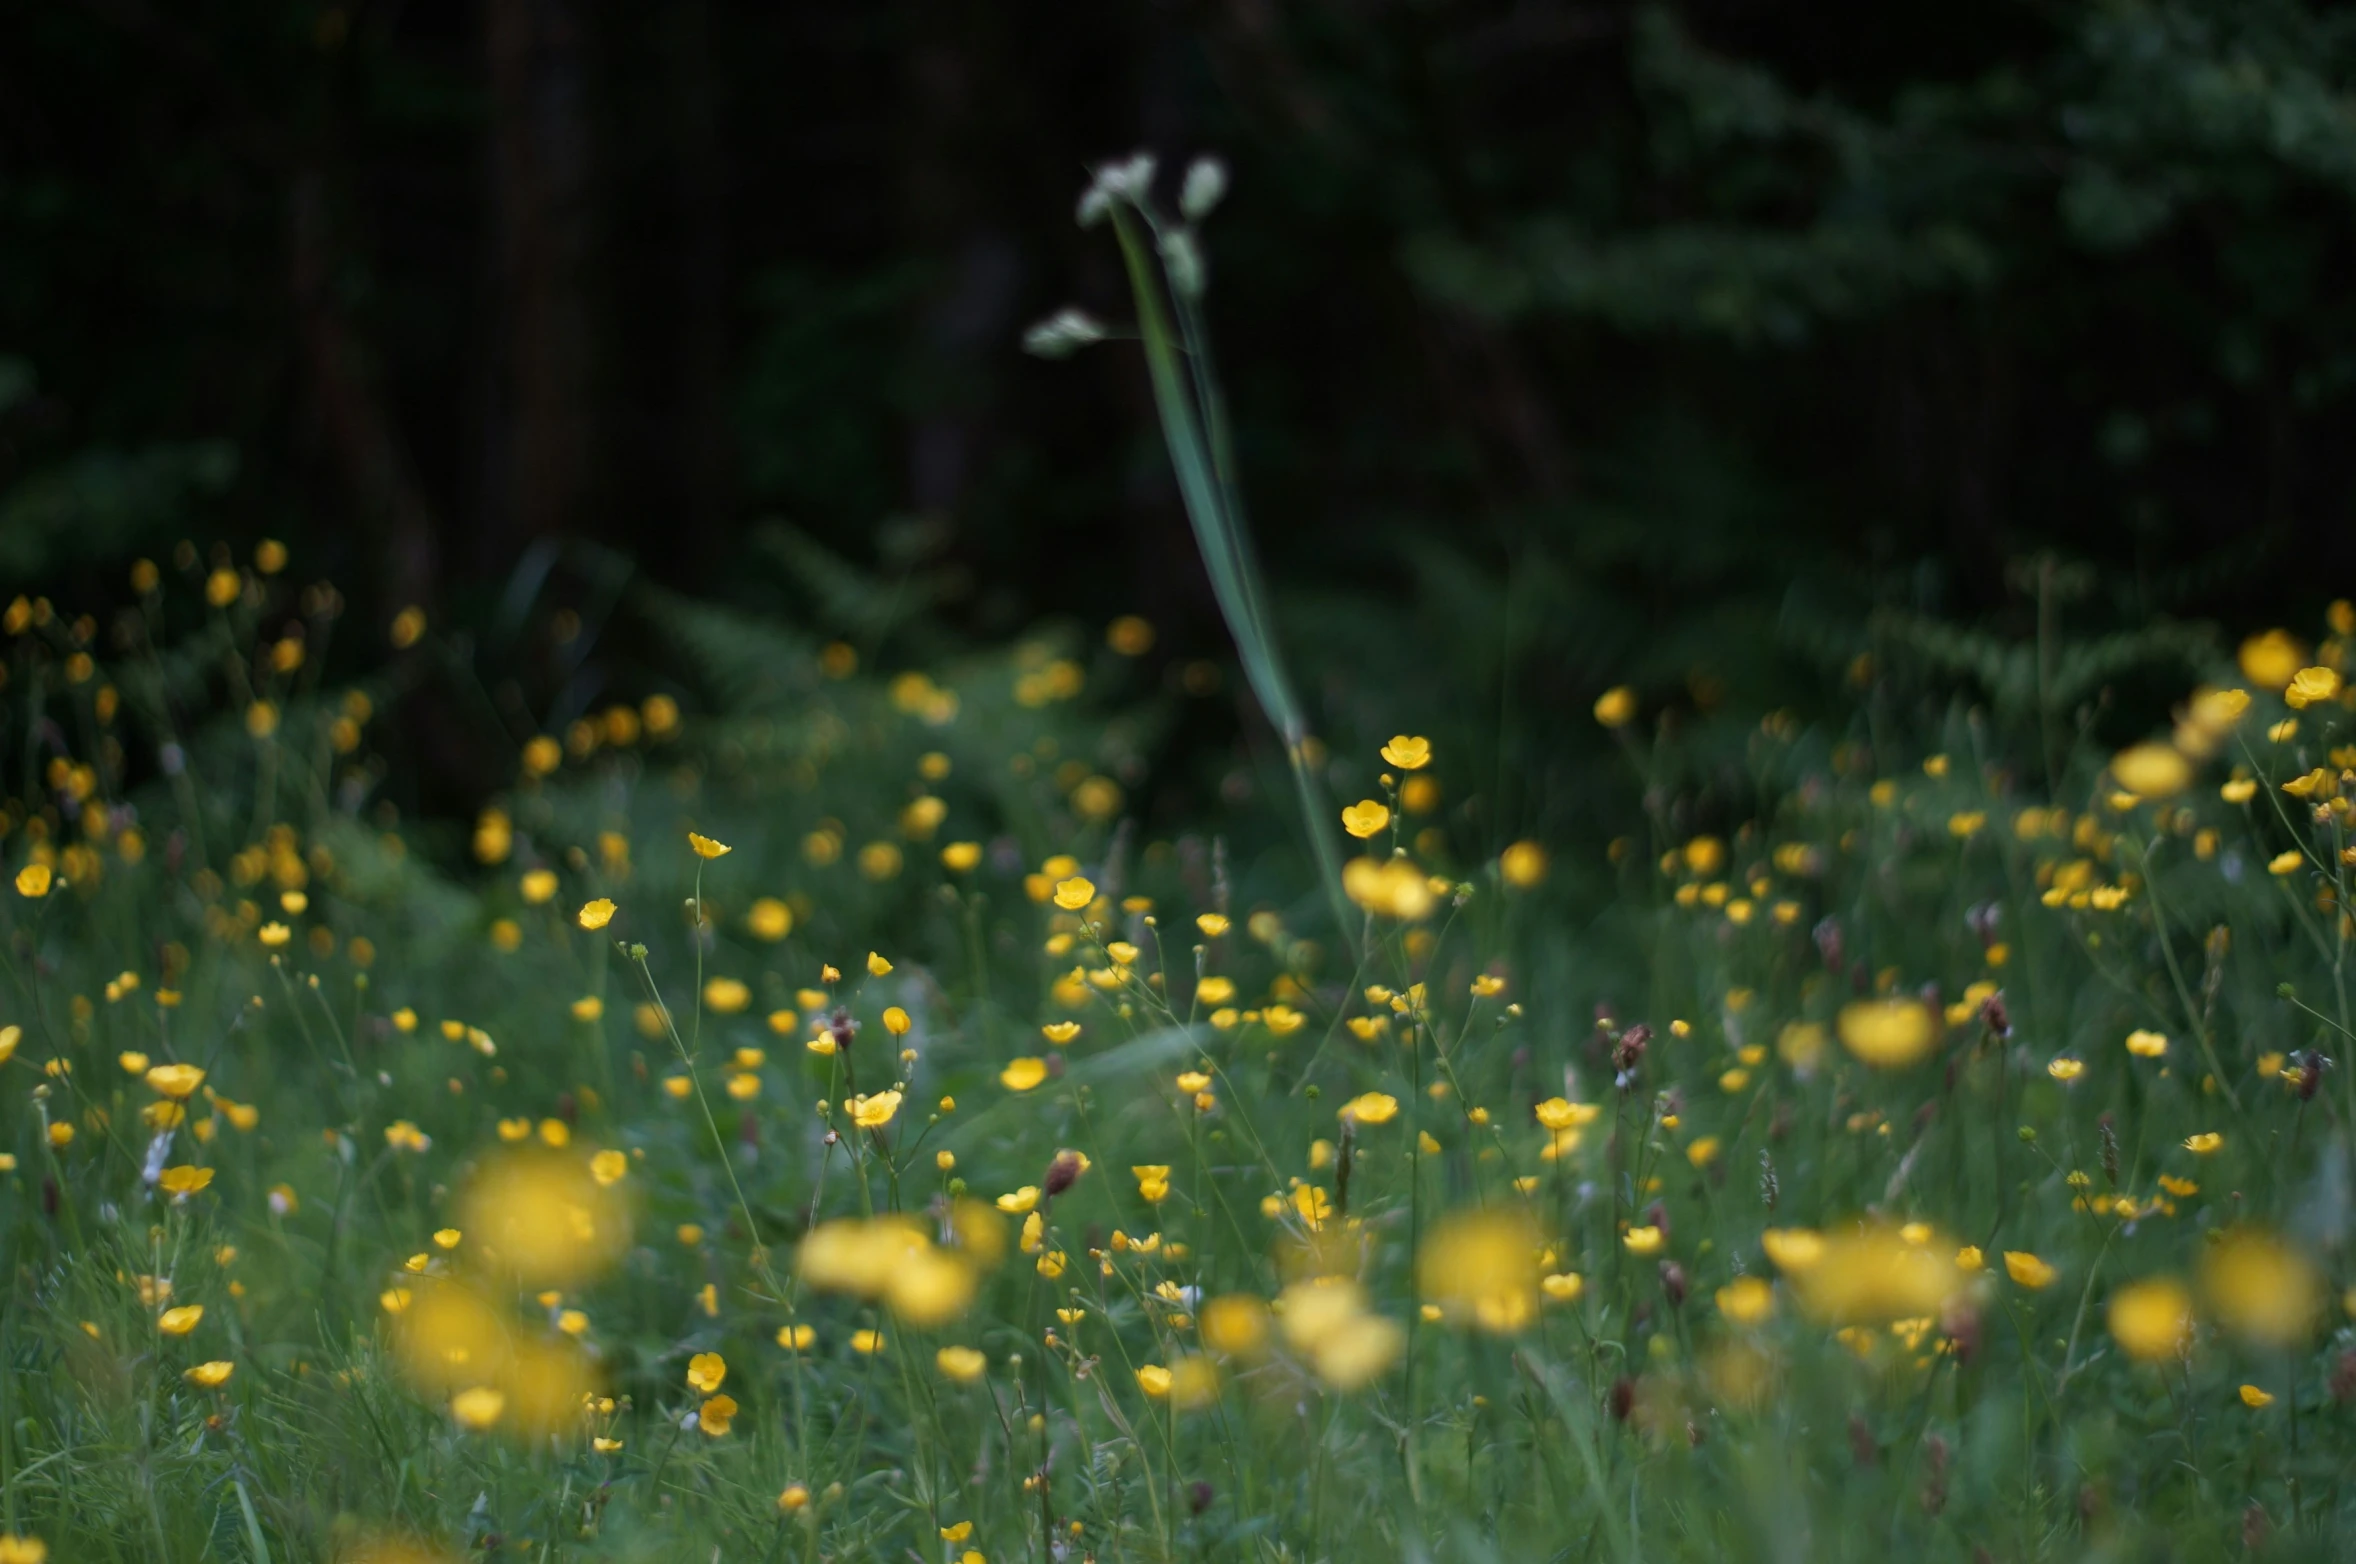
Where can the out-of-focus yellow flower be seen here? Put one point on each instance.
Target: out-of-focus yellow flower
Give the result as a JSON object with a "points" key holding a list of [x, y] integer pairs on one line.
{"points": [[1868, 1276], [2261, 1288], [478, 1408], [2147, 1045], [1746, 1300], [1482, 1269], [180, 1321], [1888, 1034], [2203, 1144], [962, 1365], [544, 1218], [2152, 770], [1523, 865], [1616, 707], [1347, 1346], [1389, 888], [1020, 1075], [1236, 1325], [2252, 1396], [2272, 658], [210, 1376], [1370, 1108], [2028, 1270], [2152, 1319]]}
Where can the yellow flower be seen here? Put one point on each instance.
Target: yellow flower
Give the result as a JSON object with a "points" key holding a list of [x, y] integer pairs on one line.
{"points": [[1888, 1034], [180, 1321], [2272, 659], [2152, 770], [868, 1342], [1211, 924], [2286, 862], [588, 1008], [1408, 754], [2252, 1396], [963, 1365], [795, 1497], [714, 1416], [607, 1167], [1969, 1258], [32, 880], [1020, 1075], [176, 1081], [1364, 818], [539, 885], [185, 1180], [726, 996], [273, 935], [1746, 1300], [958, 1532], [1522, 865], [706, 1370], [2147, 1045], [705, 847], [1645, 1240], [1022, 1200], [770, 919], [1154, 1380], [2203, 1144], [447, 1237], [1074, 894], [478, 1408], [873, 1113], [2028, 1270], [1283, 1020], [210, 1376], [2261, 1288], [1703, 1151], [2311, 686], [597, 914], [1616, 707], [2066, 1069], [1562, 1286], [1060, 1032], [2152, 1320], [877, 966], [796, 1338], [1370, 1108]]}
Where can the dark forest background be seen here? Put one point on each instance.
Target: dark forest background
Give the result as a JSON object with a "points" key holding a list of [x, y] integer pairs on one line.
{"points": [[1701, 345]]}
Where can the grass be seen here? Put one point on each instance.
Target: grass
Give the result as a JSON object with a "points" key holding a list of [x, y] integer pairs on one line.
{"points": [[1788, 1187]]}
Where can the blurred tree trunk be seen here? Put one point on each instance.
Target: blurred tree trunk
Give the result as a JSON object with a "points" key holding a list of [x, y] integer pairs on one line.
{"points": [[696, 494], [537, 471]]}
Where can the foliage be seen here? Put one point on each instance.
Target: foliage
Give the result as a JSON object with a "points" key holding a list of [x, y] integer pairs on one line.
{"points": [[1910, 999]]}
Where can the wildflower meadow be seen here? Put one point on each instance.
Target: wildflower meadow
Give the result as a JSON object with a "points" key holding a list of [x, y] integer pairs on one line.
{"points": [[809, 1109]]}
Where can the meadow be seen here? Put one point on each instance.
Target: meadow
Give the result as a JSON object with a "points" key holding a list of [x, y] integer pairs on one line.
{"points": [[808, 1114]]}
